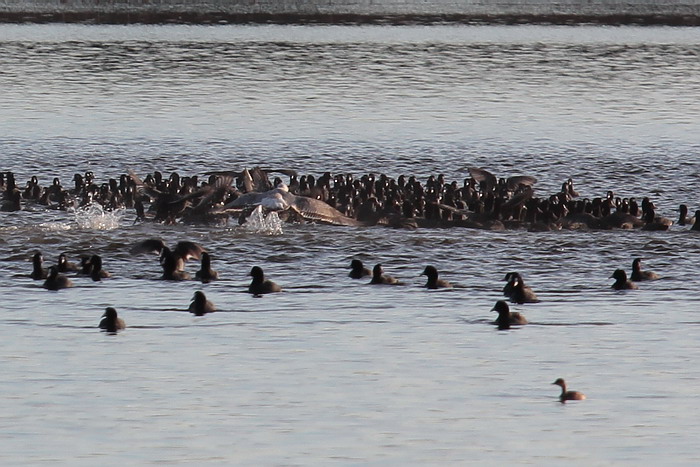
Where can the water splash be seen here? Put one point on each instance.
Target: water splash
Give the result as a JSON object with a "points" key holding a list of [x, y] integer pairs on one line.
{"points": [[94, 217], [54, 226], [259, 223]]}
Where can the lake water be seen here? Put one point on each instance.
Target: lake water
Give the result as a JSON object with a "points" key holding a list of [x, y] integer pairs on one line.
{"points": [[333, 371]]}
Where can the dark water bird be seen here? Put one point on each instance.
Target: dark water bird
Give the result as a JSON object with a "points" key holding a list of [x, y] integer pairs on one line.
{"points": [[378, 277], [12, 203], [172, 261], [433, 281], [66, 266], [172, 268], [489, 181], [508, 288], [56, 281], [206, 273], [519, 292], [255, 179], [200, 305], [110, 322], [38, 271], [621, 282], [96, 271], [683, 218], [198, 204], [569, 187], [167, 202], [654, 222], [638, 275], [33, 189], [85, 266], [358, 270], [183, 250], [259, 285], [568, 395], [696, 224], [619, 220], [507, 318]]}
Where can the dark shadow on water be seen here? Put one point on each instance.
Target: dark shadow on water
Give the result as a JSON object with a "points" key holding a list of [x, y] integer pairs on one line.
{"points": [[106, 15]]}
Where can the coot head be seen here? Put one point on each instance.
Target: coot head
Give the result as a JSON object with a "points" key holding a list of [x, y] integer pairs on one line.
{"points": [[501, 307], [430, 271], [619, 275], [257, 273]]}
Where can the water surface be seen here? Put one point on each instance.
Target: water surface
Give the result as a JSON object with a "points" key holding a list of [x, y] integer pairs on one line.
{"points": [[333, 371]]}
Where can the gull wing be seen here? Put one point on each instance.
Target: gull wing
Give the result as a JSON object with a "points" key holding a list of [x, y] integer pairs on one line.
{"points": [[481, 175]]}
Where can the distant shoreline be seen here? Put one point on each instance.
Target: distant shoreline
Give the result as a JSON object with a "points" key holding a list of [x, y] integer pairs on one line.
{"points": [[213, 18], [391, 12]]}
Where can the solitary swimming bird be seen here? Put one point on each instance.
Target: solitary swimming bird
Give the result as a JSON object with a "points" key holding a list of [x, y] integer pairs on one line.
{"points": [[639, 275], [433, 281], [378, 277], [358, 270], [110, 322], [621, 282], [259, 284], [568, 395], [56, 281], [200, 305], [507, 318], [206, 273]]}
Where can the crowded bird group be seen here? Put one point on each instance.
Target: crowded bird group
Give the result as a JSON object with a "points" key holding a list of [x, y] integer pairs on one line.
{"points": [[482, 201]]}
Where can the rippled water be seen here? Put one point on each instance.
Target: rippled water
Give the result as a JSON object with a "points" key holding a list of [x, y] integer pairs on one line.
{"points": [[333, 371]]}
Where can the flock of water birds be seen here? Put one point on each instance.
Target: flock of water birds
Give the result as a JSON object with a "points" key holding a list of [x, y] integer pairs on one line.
{"points": [[483, 201], [173, 263]]}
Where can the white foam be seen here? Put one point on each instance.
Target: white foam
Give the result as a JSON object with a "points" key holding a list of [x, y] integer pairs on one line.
{"points": [[55, 226], [94, 217], [259, 223]]}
